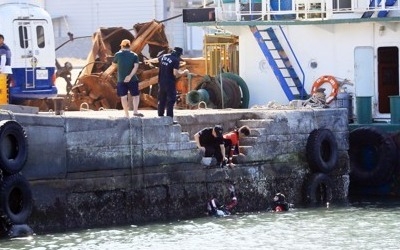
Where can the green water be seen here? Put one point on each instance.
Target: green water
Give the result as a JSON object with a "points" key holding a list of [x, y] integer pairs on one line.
{"points": [[360, 225]]}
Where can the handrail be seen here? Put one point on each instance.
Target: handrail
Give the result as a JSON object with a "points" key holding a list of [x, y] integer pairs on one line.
{"points": [[297, 61], [300, 9]]}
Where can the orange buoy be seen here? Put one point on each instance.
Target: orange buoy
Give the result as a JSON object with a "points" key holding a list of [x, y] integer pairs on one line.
{"points": [[330, 80]]}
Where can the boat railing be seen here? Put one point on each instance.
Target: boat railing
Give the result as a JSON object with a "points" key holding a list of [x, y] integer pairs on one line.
{"points": [[269, 10]]}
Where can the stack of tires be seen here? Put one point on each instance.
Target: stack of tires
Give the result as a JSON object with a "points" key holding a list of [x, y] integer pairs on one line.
{"points": [[373, 158], [322, 157], [15, 192]]}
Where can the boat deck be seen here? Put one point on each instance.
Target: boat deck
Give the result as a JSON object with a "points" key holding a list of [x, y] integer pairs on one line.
{"points": [[296, 12]]}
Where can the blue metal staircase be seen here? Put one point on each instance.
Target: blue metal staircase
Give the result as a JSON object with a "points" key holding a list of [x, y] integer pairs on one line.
{"points": [[384, 13], [372, 3], [376, 3], [279, 62]]}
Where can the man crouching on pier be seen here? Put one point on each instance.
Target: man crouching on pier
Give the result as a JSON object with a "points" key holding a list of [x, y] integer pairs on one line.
{"points": [[211, 142]]}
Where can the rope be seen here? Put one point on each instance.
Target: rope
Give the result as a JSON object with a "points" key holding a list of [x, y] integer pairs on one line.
{"points": [[226, 173], [131, 147], [318, 99]]}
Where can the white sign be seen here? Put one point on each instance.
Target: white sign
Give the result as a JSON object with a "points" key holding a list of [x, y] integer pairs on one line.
{"points": [[42, 74]]}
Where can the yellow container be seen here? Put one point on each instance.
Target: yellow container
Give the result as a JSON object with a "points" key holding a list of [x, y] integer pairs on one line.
{"points": [[3, 89]]}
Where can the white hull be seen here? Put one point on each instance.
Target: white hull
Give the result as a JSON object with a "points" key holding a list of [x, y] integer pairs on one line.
{"points": [[341, 44], [340, 50]]}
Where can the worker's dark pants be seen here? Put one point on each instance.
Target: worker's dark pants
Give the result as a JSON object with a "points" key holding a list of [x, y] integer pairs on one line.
{"points": [[230, 149], [166, 98], [214, 150]]}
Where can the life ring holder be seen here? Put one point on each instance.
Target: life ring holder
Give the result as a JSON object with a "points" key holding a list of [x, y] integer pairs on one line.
{"points": [[335, 84]]}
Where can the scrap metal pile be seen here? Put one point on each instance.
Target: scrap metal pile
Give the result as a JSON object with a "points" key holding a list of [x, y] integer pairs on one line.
{"points": [[95, 87]]}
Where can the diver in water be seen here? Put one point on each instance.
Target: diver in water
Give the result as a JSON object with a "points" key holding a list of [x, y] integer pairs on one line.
{"points": [[280, 204], [227, 208], [215, 209]]}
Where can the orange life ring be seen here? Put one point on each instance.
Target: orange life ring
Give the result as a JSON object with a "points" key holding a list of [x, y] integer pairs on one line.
{"points": [[327, 79]]}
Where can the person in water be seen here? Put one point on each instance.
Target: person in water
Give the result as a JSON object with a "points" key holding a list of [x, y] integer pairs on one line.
{"points": [[233, 199], [214, 208], [280, 204]]}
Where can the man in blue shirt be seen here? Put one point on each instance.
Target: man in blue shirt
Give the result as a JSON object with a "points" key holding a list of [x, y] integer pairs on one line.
{"points": [[128, 63], [5, 56], [168, 72]]}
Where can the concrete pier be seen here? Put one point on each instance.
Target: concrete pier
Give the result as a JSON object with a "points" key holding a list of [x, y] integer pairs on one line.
{"points": [[97, 168]]}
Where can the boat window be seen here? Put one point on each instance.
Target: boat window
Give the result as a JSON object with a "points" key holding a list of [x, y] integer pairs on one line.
{"points": [[40, 36], [23, 36], [341, 4]]}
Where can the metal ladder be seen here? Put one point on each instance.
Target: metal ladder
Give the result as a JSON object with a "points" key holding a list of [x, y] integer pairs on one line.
{"points": [[279, 62]]}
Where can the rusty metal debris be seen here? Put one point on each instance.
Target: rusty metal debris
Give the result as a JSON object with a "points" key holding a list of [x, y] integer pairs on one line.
{"points": [[95, 87]]}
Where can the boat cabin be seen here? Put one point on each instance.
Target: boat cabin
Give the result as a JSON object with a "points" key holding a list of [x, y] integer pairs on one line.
{"points": [[28, 32], [288, 47]]}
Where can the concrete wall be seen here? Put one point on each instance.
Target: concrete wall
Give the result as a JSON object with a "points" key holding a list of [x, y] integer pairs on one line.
{"points": [[104, 170]]}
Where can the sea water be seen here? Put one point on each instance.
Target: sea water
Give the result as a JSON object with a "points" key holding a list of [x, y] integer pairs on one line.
{"points": [[358, 225]]}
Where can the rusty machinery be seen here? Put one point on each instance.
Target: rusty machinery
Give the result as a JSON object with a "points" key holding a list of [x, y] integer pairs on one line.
{"points": [[95, 87]]}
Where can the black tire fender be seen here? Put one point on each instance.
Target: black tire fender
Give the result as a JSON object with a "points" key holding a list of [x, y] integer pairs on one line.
{"points": [[13, 147], [322, 150], [20, 230], [15, 199], [318, 189], [373, 156]]}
